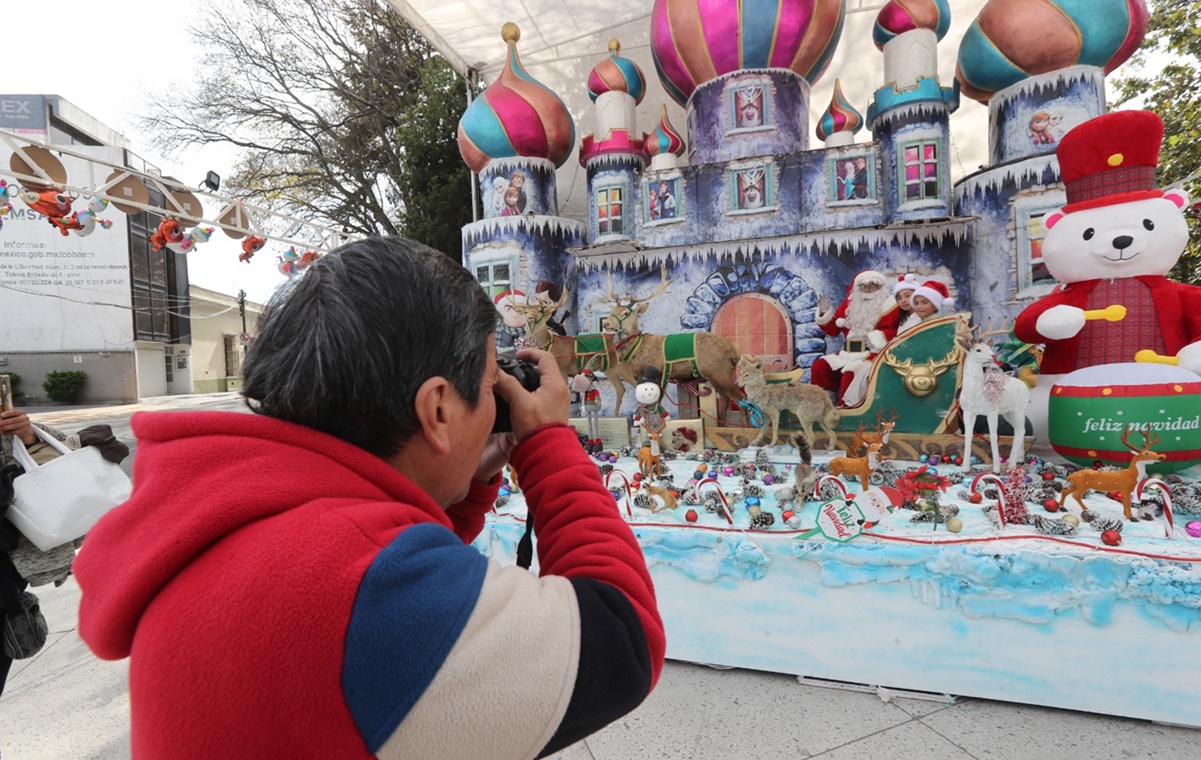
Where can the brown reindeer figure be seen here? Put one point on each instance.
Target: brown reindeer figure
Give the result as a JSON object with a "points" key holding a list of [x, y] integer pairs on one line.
{"points": [[1124, 481], [569, 355], [860, 467], [702, 355], [808, 403], [649, 457]]}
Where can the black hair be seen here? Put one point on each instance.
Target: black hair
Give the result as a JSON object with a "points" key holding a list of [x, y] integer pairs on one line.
{"points": [[344, 348]]}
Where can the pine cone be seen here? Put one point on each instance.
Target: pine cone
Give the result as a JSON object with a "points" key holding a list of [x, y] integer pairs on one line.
{"points": [[752, 489], [1101, 522], [501, 501], [642, 500], [762, 520], [1052, 526], [605, 469]]}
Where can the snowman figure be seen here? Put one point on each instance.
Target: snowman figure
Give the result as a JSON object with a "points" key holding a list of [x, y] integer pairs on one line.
{"points": [[650, 417], [1110, 248]]}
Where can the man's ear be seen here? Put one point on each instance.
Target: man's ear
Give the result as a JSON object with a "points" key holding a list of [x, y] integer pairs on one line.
{"points": [[432, 405]]}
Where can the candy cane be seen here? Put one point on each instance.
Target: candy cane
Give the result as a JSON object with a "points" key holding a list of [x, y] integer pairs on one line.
{"points": [[817, 487], [622, 475], [1000, 492], [696, 493], [1169, 523]]}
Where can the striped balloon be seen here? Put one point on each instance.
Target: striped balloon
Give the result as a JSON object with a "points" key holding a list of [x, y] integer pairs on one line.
{"points": [[1014, 39], [695, 41], [665, 138], [901, 16], [616, 74], [841, 116], [516, 116]]}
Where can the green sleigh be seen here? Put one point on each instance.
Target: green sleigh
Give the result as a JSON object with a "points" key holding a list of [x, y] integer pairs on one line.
{"points": [[915, 379]]}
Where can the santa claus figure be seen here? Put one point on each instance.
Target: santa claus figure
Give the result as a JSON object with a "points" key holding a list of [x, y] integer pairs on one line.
{"points": [[868, 320]]}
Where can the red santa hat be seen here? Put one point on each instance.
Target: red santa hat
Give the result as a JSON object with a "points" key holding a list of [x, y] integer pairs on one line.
{"points": [[908, 282], [936, 293], [1111, 159]]}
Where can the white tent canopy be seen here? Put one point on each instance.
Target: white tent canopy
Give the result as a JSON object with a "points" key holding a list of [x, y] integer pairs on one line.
{"points": [[467, 32], [561, 40]]}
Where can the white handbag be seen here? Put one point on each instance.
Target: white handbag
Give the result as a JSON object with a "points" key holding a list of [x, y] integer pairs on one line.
{"points": [[61, 500]]}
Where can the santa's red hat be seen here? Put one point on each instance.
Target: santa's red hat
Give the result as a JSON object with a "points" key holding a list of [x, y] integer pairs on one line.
{"points": [[936, 293], [1111, 159], [907, 282]]}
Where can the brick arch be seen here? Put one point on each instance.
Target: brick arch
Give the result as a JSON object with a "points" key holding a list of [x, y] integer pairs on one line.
{"points": [[794, 296]]}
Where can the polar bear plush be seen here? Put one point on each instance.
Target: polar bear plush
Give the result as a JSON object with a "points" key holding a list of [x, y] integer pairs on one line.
{"points": [[1113, 245]]}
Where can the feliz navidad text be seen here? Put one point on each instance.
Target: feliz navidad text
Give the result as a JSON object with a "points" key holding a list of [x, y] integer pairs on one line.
{"points": [[1107, 424]]}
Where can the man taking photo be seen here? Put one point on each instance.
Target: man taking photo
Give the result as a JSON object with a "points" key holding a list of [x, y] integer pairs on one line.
{"points": [[298, 582]]}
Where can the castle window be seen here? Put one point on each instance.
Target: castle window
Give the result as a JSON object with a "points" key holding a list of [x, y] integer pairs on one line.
{"points": [[919, 171], [752, 189], [662, 201], [749, 105], [495, 274], [610, 207], [1031, 230]]}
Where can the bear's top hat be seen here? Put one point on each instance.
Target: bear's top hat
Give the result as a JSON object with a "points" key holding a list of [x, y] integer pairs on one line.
{"points": [[1111, 159]]}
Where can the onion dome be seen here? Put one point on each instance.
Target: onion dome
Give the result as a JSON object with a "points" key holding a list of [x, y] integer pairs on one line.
{"points": [[901, 16], [841, 116], [616, 74], [695, 41], [1014, 39], [516, 116], [665, 138]]}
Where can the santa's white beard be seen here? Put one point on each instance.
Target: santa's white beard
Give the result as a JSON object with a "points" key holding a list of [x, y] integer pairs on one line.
{"points": [[864, 311]]}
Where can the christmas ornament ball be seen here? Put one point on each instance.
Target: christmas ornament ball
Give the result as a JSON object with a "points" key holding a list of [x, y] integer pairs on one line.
{"points": [[954, 524], [1193, 528], [976, 497], [1051, 505], [1111, 537], [1073, 520], [690, 516]]}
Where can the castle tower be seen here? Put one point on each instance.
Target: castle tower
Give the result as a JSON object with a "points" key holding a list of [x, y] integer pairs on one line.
{"points": [[744, 77], [514, 136], [1040, 67], [910, 114], [613, 157], [840, 122]]}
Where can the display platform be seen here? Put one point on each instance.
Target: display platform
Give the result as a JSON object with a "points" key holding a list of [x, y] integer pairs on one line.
{"points": [[1006, 613]]}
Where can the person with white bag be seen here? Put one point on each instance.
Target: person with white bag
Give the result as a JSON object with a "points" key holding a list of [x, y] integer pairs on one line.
{"points": [[15, 423]]}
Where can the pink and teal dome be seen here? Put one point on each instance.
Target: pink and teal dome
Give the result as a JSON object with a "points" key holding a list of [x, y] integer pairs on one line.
{"points": [[616, 74], [696, 41], [901, 16], [1014, 39], [516, 116], [665, 138], [841, 116]]}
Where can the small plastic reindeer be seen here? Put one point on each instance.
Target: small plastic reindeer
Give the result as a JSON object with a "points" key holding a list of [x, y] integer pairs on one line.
{"points": [[1123, 481], [649, 457], [862, 467]]}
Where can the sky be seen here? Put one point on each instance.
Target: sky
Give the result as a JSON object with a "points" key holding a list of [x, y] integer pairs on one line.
{"points": [[89, 70]]}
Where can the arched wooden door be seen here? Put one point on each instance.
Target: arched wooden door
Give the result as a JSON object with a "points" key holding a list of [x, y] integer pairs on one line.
{"points": [[760, 326]]}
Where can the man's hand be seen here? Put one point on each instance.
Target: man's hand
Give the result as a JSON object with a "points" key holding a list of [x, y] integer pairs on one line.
{"points": [[495, 456], [17, 423], [823, 304], [550, 403]]}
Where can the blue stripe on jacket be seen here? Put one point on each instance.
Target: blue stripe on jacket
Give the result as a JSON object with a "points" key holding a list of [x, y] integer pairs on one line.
{"points": [[412, 605]]}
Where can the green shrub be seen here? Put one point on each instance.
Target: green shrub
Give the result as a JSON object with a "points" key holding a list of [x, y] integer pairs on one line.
{"points": [[64, 386]]}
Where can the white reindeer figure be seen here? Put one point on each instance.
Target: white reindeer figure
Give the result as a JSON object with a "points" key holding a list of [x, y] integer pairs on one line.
{"points": [[990, 392]]}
